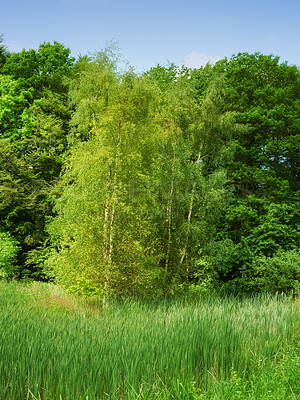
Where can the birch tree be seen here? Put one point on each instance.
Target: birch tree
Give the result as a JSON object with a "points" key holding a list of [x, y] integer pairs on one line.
{"points": [[102, 227]]}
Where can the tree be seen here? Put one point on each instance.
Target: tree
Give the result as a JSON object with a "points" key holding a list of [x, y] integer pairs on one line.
{"points": [[34, 118], [143, 184], [265, 168], [22, 204], [40, 69], [102, 225], [265, 94]]}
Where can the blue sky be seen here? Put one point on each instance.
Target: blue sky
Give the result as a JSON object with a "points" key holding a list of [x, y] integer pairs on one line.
{"points": [[157, 31]]}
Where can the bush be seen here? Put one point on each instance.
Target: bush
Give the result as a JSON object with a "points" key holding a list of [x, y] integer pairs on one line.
{"points": [[9, 248], [270, 274]]}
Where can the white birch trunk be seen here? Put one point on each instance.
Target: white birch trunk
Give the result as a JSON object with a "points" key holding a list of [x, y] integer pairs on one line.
{"points": [[184, 252]]}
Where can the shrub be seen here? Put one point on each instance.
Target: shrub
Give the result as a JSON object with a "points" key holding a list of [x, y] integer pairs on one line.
{"points": [[270, 274], [9, 248]]}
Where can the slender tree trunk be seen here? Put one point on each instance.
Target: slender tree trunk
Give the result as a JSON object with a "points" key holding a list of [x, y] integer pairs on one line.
{"points": [[169, 214], [188, 230], [114, 198], [184, 252], [110, 209], [111, 236], [106, 243]]}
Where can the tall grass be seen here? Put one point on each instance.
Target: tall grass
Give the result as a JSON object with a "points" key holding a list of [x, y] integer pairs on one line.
{"points": [[54, 346]]}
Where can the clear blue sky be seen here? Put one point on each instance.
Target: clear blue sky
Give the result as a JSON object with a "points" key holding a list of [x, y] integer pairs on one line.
{"points": [[157, 31]]}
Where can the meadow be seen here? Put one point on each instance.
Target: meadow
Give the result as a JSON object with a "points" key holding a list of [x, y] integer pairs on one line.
{"points": [[54, 345]]}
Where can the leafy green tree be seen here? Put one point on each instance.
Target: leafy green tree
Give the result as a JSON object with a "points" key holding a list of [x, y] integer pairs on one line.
{"points": [[34, 117], [40, 69], [265, 94], [143, 185], [265, 169], [195, 101], [24, 67], [32, 83], [22, 204], [171, 177], [102, 226]]}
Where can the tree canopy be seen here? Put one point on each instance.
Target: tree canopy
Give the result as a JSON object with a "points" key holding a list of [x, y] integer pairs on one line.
{"points": [[173, 181]]}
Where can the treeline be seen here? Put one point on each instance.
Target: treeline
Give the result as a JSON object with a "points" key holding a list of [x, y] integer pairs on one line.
{"points": [[171, 181]]}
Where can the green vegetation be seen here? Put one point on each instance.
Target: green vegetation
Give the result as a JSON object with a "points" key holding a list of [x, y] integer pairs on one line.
{"points": [[173, 181], [57, 346], [161, 211]]}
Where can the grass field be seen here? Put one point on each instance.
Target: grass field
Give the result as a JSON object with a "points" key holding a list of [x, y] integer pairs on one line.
{"points": [[57, 346]]}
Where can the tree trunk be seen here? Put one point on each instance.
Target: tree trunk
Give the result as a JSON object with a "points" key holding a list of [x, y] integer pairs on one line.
{"points": [[106, 244], [110, 209], [184, 252], [169, 214]]}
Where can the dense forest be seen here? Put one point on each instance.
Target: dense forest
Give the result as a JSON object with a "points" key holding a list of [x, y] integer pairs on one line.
{"points": [[172, 181]]}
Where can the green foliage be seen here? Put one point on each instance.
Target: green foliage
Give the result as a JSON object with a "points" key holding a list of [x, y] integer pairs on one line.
{"points": [[33, 82], [84, 287], [34, 120], [278, 230], [273, 240], [163, 76], [22, 203], [280, 272], [145, 182], [24, 67], [263, 216], [46, 130], [40, 69], [13, 102], [96, 210], [54, 57], [265, 95], [36, 263], [9, 248], [172, 181]]}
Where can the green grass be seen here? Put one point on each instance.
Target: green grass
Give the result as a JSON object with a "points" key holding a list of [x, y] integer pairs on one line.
{"points": [[57, 346]]}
